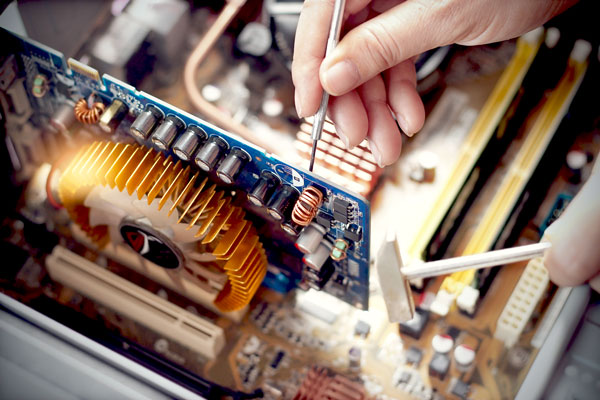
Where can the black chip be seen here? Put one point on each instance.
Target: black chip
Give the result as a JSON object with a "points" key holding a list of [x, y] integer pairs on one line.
{"points": [[324, 219], [341, 206], [415, 327], [453, 332], [414, 355], [343, 218], [353, 232], [362, 328], [460, 389], [439, 365]]}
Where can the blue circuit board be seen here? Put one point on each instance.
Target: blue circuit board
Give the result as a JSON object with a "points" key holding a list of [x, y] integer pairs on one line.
{"points": [[70, 80]]}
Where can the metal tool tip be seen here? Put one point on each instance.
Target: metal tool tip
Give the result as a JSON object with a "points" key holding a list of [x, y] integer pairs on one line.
{"points": [[312, 155]]}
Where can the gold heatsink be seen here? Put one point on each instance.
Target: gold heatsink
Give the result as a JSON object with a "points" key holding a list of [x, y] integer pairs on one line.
{"points": [[223, 234]]}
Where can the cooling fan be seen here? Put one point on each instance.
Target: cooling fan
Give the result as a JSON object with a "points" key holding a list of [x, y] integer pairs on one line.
{"points": [[169, 215]]}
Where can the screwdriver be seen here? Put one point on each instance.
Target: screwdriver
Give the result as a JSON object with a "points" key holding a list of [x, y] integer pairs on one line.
{"points": [[332, 41], [394, 277]]}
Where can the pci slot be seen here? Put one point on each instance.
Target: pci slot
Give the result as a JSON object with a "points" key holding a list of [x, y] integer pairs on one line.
{"points": [[480, 135], [535, 144], [191, 289], [135, 303]]}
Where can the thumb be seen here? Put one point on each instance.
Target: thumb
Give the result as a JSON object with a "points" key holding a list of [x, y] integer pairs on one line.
{"points": [[574, 257], [386, 40]]}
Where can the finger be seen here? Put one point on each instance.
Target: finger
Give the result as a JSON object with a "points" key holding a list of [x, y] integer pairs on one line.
{"points": [[385, 140], [405, 102], [350, 118], [574, 257], [309, 51], [385, 40]]}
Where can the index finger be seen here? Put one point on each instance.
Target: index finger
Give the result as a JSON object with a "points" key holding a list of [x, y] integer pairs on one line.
{"points": [[309, 50]]}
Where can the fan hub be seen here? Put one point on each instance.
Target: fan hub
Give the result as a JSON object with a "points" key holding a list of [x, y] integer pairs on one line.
{"points": [[151, 244]]}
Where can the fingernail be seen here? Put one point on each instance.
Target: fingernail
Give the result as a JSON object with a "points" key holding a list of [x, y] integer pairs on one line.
{"points": [[403, 125], [343, 137], [297, 101], [376, 154], [342, 77]]}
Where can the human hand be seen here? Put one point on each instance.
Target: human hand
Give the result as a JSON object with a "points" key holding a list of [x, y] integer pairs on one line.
{"points": [[371, 70], [574, 257]]}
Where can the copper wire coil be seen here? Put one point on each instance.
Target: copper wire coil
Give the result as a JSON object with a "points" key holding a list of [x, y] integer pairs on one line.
{"points": [[87, 115], [307, 206]]}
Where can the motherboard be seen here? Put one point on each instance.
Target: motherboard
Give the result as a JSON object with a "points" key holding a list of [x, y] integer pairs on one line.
{"points": [[229, 268]]}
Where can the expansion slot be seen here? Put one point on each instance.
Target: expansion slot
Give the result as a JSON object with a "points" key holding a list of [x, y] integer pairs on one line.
{"points": [[526, 160], [480, 134], [135, 303]]}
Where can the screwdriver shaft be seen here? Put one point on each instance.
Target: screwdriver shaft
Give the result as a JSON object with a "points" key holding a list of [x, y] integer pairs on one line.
{"points": [[334, 36], [476, 261]]}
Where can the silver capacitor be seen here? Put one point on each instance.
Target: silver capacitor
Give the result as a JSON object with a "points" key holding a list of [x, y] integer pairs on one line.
{"points": [[145, 122], [166, 132], [316, 259], [310, 237], [186, 144], [232, 165], [209, 154], [63, 118]]}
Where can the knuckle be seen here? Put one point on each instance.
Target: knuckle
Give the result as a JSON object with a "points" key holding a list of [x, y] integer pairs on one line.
{"points": [[381, 47]]}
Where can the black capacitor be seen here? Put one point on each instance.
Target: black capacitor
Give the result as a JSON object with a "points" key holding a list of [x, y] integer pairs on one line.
{"points": [[232, 165], [187, 143], [145, 122], [208, 156], [113, 115], [166, 132], [263, 188], [291, 228], [318, 279], [280, 204]]}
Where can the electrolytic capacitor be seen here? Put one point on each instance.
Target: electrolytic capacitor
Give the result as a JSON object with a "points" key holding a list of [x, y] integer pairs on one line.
{"points": [[263, 188], [442, 343], [279, 206], [464, 357], [291, 228], [63, 118], [209, 154], [112, 116], [232, 165], [187, 143], [316, 259], [145, 122], [310, 237], [166, 132]]}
